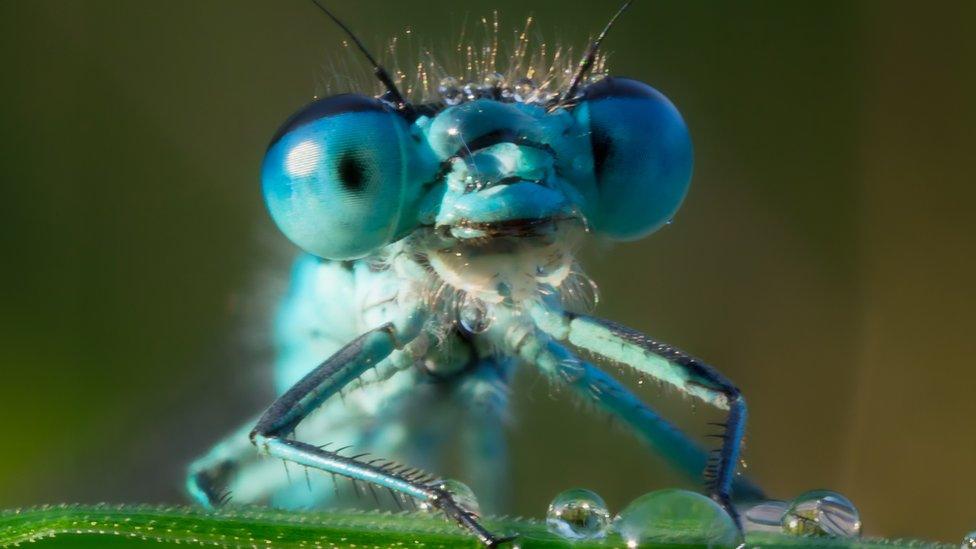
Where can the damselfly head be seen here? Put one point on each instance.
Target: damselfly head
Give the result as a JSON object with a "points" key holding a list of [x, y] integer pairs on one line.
{"points": [[479, 161]]}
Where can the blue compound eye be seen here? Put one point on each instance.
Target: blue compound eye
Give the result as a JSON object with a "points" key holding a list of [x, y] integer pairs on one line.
{"points": [[341, 176], [642, 157]]}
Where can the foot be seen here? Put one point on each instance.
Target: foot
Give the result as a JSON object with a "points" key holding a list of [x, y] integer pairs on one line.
{"points": [[204, 484], [726, 502], [467, 520]]}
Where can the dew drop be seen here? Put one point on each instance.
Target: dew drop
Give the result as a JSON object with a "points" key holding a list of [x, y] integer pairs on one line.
{"points": [[474, 315], [676, 516], [462, 495], [595, 77], [450, 90], [969, 542], [525, 90], [578, 514], [822, 513], [493, 81]]}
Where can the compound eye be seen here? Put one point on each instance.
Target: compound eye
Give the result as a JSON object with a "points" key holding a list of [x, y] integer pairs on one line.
{"points": [[336, 177], [642, 157]]}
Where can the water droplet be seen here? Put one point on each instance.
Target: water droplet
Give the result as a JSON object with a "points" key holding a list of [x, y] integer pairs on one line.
{"points": [[580, 293], [822, 513], [462, 495], [766, 516], [969, 542], [676, 516], [450, 90], [475, 315], [578, 514], [493, 81], [595, 77], [525, 90]]}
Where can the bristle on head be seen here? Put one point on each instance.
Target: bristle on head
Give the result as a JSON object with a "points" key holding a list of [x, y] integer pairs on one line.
{"points": [[523, 68]]}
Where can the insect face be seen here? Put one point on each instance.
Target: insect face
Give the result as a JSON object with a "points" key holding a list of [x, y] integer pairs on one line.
{"points": [[349, 174]]}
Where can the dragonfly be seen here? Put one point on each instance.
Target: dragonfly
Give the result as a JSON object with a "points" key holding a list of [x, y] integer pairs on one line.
{"points": [[438, 238]]}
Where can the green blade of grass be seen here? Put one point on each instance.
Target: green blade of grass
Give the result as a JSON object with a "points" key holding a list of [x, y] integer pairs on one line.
{"points": [[137, 525]]}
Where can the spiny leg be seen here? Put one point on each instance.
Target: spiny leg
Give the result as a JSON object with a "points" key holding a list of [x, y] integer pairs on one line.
{"points": [[279, 421], [232, 472], [411, 426], [654, 359]]}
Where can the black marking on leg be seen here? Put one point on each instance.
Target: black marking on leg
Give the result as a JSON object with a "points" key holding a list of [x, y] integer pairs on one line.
{"points": [[412, 502], [395, 498], [372, 490], [224, 498]]}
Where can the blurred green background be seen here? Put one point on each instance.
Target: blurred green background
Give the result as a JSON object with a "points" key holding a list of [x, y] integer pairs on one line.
{"points": [[823, 260]]}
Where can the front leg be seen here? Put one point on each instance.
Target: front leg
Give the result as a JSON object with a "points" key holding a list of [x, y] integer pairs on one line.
{"points": [[271, 433], [689, 375]]}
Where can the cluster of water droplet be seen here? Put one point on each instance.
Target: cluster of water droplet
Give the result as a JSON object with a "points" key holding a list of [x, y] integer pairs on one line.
{"points": [[494, 86], [664, 516], [680, 516]]}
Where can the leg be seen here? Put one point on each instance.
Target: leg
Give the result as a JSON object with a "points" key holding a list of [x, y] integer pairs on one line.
{"points": [[279, 421], [233, 472], [660, 361]]}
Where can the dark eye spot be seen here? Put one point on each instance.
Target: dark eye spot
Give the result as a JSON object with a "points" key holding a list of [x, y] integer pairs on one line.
{"points": [[352, 173], [602, 147]]}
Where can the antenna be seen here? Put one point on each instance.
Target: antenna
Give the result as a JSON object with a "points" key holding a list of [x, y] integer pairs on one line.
{"points": [[378, 70], [588, 59]]}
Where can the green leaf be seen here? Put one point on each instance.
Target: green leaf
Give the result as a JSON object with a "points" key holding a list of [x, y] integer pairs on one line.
{"points": [[140, 525]]}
